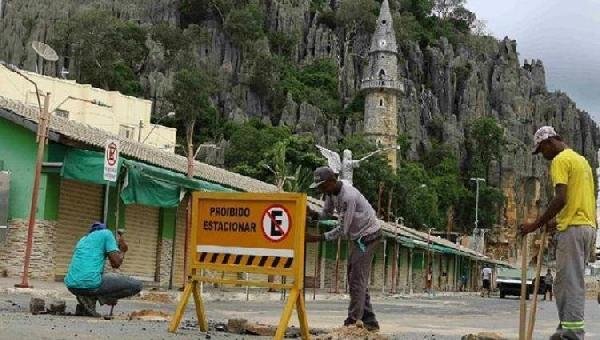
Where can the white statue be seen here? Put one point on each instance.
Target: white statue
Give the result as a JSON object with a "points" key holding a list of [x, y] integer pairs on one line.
{"points": [[345, 167]]}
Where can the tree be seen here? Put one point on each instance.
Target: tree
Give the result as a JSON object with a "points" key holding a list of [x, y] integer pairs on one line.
{"points": [[485, 144], [443, 8], [102, 50], [244, 24], [190, 97]]}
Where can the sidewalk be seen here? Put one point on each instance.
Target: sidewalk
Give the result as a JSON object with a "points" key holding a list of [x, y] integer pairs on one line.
{"points": [[51, 289]]}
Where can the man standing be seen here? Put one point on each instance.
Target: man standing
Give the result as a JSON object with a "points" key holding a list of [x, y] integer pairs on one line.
{"points": [[359, 224], [85, 277], [548, 282], [574, 206], [486, 276]]}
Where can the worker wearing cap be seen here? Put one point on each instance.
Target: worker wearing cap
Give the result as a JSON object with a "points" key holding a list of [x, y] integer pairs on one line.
{"points": [[359, 224], [86, 278], [574, 207]]}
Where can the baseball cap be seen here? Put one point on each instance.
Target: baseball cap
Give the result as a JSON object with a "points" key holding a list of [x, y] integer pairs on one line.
{"points": [[322, 175], [541, 135]]}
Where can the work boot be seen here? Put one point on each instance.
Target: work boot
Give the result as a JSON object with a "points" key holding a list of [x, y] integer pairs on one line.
{"points": [[349, 322], [372, 326], [86, 306], [368, 317]]}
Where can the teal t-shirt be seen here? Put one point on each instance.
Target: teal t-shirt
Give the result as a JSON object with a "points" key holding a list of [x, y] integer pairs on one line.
{"points": [[87, 263]]}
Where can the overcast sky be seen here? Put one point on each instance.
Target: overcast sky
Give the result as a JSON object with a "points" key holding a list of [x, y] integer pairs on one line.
{"points": [[565, 35]]}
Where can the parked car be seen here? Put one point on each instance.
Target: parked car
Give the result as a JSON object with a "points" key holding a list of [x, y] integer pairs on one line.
{"points": [[508, 282]]}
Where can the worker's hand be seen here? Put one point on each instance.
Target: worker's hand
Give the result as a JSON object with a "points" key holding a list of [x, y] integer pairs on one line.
{"points": [[123, 247], [527, 228], [552, 226], [314, 238]]}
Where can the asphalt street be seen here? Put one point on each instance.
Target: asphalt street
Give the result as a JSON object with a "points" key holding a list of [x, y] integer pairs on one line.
{"points": [[442, 317]]}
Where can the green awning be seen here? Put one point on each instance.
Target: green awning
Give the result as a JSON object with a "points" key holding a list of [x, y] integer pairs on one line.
{"points": [[85, 166], [153, 186], [144, 184]]}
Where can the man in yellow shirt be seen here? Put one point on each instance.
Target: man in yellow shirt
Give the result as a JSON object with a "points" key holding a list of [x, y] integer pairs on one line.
{"points": [[574, 206]]}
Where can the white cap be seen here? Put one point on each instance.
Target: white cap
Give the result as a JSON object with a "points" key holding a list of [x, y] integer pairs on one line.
{"points": [[541, 135]]}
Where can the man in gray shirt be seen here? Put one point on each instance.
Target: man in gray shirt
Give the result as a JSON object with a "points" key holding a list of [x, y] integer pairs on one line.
{"points": [[359, 224]]}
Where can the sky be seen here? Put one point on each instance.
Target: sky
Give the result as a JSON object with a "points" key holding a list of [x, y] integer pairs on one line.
{"points": [[565, 35]]}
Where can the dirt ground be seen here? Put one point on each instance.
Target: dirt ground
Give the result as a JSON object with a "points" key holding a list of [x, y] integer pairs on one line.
{"points": [[441, 317]]}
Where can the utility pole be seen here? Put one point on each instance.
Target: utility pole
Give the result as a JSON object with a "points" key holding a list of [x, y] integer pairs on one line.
{"points": [[42, 134]]}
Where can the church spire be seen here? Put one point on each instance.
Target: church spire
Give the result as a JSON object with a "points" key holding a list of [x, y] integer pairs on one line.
{"points": [[384, 38]]}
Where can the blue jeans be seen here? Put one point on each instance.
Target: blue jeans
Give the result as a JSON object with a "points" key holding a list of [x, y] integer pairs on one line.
{"points": [[113, 287]]}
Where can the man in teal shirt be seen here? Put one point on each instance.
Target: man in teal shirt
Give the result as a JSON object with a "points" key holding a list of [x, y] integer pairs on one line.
{"points": [[85, 277]]}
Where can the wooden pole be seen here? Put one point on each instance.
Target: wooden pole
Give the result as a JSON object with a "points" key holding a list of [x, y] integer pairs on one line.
{"points": [[538, 270], [317, 262], [523, 304], [42, 134], [395, 266]]}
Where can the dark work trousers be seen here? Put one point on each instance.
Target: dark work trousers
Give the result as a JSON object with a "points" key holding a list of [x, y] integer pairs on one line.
{"points": [[113, 287], [359, 269]]}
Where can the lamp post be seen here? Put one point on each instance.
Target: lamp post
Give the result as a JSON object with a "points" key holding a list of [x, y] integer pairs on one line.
{"points": [[42, 134], [476, 230], [170, 114]]}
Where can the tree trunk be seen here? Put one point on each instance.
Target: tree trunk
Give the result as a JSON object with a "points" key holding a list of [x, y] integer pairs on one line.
{"points": [[190, 149]]}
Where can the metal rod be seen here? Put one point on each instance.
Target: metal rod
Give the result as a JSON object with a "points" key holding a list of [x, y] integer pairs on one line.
{"points": [[105, 210], [41, 138], [538, 270], [523, 303]]}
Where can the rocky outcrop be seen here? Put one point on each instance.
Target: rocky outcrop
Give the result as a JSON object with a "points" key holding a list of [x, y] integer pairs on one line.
{"points": [[446, 87]]}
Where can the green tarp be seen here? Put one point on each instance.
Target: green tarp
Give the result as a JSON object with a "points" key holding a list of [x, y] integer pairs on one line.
{"points": [[143, 184], [157, 187], [85, 166]]}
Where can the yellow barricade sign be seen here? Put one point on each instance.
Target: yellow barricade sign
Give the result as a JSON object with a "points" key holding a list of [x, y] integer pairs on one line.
{"points": [[252, 233]]}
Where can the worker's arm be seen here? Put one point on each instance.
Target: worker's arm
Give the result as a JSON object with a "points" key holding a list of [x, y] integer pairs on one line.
{"points": [[347, 215], [556, 205], [116, 257]]}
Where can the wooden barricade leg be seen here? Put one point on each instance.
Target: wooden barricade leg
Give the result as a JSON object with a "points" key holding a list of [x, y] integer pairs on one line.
{"points": [[287, 313], [200, 313], [302, 317], [180, 311]]}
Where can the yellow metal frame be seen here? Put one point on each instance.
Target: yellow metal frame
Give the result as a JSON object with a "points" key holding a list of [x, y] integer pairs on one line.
{"points": [[296, 272]]}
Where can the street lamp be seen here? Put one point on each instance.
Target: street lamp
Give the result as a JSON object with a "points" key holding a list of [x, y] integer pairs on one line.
{"points": [[476, 230], [170, 114]]}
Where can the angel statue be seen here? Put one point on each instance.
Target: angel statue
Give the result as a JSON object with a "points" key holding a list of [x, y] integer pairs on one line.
{"points": [[345, 167]]}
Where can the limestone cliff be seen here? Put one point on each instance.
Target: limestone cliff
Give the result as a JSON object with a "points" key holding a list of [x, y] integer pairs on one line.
{"points": [[443, 83]]}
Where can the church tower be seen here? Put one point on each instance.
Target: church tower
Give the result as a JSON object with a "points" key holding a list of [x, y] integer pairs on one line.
{"points": [[381, 86]]}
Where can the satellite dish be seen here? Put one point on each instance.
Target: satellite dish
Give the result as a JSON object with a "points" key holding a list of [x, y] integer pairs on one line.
{"points": [[44, 51]]}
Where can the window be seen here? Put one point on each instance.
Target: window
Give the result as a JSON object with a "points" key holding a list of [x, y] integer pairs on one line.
{"points": [[381, 102], [61, 113], [384, 22], [126, 132], [381, 74]]}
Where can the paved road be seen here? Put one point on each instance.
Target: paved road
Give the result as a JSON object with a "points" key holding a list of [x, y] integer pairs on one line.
{"points": [[401, 318]]}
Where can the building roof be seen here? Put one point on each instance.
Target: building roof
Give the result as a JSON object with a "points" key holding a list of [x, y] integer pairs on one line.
{"points": [[66, 129]]}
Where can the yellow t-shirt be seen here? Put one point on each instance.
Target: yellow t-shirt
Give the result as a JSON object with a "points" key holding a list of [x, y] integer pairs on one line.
{"points": [[572, 169]]}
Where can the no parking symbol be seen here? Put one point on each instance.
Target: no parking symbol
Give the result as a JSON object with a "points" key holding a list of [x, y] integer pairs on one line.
{"points": [[276, 223]]}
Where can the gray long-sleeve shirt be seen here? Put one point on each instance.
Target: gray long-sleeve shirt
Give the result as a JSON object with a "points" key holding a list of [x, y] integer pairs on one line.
{"points": [[357, 217]]}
